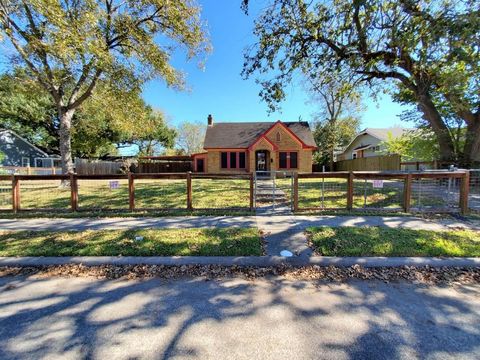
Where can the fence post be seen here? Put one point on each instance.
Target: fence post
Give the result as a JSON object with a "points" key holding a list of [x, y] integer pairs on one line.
{"points": [[131, 192], [73, 192], [464, 189], [15, 193], [251, 192], [350, 191], [407, 193], [295, 191], [189, 191]]}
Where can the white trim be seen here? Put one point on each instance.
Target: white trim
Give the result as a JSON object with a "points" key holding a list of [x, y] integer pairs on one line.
{"points": [[364, 132], [24, 140], [25, 158]]}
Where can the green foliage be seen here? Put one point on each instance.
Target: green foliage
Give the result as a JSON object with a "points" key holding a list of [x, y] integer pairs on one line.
{"points": [[111, 116], [378, 241], [157, 242], [419, 145], [424, 51], [337, 122], [333, 136], [71, 46]]}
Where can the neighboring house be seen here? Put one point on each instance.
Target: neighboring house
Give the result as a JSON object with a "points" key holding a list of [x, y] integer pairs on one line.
{"points": [[256, 146], [19, 152], [368, 143]]}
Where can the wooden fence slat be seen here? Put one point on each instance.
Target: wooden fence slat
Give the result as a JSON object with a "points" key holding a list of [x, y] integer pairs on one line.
{"points": [[15, 194], [350, 191], [251, 192], [131, 192], [464, 189], [295, 191], [189, 191], [407, 193], [73, 192]]}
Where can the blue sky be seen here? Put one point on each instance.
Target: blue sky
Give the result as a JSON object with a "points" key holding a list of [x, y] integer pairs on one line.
{"points": [[220, 90]]}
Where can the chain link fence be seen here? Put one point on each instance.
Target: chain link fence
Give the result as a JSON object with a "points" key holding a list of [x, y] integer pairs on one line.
{"points": [[5, 194]]}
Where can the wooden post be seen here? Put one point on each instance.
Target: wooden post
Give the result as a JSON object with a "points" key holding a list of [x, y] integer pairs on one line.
{"points": [[295, 192], [15, 194], [407, 193], [350, 191], [189, 191], [53, 170], [464, 189], [28, 170], [131, 192], [251, 192], [73, 192], [417, 165]]}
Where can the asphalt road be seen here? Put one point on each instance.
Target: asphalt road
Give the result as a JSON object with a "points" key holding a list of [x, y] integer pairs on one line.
{"points": [[79, 318]]}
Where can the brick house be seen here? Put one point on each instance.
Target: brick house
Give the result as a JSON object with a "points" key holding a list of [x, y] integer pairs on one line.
{"points": [[256, 146]]}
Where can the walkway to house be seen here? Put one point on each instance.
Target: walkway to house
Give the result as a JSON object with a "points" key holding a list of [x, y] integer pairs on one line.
{"points": [[282, 232]]}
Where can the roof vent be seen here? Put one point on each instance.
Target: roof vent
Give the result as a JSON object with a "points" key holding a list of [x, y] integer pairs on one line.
{"points": [[210, 120]]}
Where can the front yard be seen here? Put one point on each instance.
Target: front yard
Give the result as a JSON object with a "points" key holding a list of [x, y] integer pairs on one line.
{"points": [[155, 242], [98, 195], [378, 241]]}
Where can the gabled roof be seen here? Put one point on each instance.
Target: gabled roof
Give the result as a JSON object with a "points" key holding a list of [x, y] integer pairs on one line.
{"points": [[379, 133], [11, 132], [382, 133], [241, 135]]}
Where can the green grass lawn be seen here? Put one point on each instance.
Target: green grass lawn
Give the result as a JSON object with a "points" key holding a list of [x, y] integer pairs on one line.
{"points": [[149, 194], [376, 241], [156, 242]]}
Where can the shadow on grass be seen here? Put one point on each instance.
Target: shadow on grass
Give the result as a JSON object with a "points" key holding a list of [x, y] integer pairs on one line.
{"points": [[378, 241], [155, 242]]}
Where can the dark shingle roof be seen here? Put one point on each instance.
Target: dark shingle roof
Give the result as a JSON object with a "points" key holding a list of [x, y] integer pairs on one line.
{"points": [[244, 134]]}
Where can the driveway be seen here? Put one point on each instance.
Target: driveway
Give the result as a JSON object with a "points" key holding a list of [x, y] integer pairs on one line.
{"points": [[235, 319]]}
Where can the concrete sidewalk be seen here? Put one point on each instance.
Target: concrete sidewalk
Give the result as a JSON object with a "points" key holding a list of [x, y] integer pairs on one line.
{"points": [[263, 222], [281, 232]]}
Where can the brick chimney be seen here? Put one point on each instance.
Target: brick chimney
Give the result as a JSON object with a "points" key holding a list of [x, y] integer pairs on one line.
{"points": [[210, 120]]}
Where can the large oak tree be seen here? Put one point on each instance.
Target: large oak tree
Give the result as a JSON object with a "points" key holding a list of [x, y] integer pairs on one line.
{"points": [[83, 42], [428, 50]]}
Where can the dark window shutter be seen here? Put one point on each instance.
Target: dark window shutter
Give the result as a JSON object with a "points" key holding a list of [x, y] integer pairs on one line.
{"points": [[241, 160], [283, 160], [224, 160], [233, 160], [293, 160]]}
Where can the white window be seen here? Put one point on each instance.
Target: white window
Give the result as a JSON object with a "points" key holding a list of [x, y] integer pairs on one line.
{"points": [[25, 162]]}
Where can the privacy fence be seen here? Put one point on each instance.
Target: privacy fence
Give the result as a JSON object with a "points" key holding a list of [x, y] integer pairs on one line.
{"points": [[440, 191]]}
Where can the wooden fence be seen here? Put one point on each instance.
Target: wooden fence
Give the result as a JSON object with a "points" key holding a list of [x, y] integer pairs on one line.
{"points": [[29, 170], [440, 181], [97, 167], [450, 188], [374, 163]]}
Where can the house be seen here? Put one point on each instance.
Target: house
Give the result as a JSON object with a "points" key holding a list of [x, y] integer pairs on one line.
{"points": [[245, 147], [369, 142], [20, 152]]}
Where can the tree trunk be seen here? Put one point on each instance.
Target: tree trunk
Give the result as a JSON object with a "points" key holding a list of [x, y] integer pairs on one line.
{"points": [[65, 136], [471, 149], [431, 114]]}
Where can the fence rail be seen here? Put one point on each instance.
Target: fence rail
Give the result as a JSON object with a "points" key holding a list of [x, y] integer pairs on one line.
{"points": [[440, 191], [393, 191]]}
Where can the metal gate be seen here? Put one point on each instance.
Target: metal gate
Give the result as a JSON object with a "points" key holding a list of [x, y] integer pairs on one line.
{"points": [[273, 191]]}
